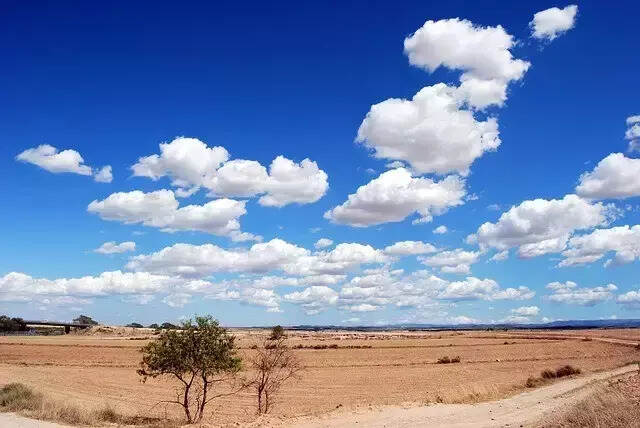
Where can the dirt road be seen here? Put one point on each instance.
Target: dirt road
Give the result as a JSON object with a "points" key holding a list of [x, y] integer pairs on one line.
{"points": [[9, 420], [525, 409]]}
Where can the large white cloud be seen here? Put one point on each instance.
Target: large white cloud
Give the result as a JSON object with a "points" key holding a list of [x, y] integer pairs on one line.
{"points": [[570, 293], [472, 288], [395, 195], [623, 241], [481, 53], [630, 298], [313, 299], [453, 261], [112, 247], [550, 23], [432, 132], [543, 226], [160, 209], [615, 176], [192, 164]]}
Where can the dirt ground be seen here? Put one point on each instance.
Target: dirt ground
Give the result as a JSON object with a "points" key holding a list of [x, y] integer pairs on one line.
{"points": [[366, 370]]}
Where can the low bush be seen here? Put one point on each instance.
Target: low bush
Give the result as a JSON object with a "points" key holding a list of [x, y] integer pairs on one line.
{"points": [[567, 371], [447, 360], [548, 374]]}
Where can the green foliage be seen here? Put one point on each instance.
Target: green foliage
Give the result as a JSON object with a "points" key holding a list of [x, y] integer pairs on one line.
{"points": [[12, 324], [154, 325], [200, 354], [84, 319], [169, 326], [277, 332], [134, 325]]}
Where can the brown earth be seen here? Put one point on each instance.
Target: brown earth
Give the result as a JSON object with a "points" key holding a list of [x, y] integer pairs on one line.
{"points": [[380, 368]]}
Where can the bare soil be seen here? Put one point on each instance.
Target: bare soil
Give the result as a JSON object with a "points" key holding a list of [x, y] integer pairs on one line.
{"points": [[367, 370]]}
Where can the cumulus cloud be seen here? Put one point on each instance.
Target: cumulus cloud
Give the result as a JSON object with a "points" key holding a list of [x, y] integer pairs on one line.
{"points": [[313, 299], [481, 53], [526, 311], [323, 243], [482, 289], [112, 247], [615, 176], [454, 261], [395, 195], [633, 133], [551, 23], [500, 256], [104, 175], [570, 293], [543, 226], [432, 132], [275, 255], [49, 158], [160, 209], [192, 164], [405, 248], [630, 299], [441, 230], [623, 241], [177, 300]]}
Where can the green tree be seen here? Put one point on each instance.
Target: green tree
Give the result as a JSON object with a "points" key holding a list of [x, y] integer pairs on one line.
{"points": [[84, 319], [199, 356], [12, 324], [277, 332], [134, 325]]}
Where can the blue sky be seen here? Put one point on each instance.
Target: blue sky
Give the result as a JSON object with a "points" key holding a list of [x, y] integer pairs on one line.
{"points": [[519, 134]]}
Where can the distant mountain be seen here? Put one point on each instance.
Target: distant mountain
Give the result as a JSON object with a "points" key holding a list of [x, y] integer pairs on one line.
{"points": [[569, 324]]}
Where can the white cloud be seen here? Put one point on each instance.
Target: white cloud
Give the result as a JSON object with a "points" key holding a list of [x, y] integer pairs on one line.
{"points": [[116, 282], [313, 299], [551, 23], [481, 53], [177, 300], [624, 241], [104, 175], [112, 247], [615, 176], [49, 158], [633, 133], [482, 289], [160, 209], [500, 256], [516, 319], [570, 293], [453, 261], [526, 311], [406, 248], [462, 319], [441, 230], [192, 164], [543, 226], [630, 299], [432, 132], [323, 243], [395, 195], [363, 307]]}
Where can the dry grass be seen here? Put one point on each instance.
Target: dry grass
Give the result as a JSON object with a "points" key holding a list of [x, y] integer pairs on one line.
{"points": [[616, 405], [547, 375], [21, 399]]}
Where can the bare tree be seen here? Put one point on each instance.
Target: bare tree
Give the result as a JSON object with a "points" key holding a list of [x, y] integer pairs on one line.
{"points": [[199, 356], [274, 363]]}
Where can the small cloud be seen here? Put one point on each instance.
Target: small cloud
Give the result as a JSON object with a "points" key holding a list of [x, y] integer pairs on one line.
{"points": [[441, 230]]}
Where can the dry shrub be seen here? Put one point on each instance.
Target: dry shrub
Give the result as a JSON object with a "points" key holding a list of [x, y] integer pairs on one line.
{"points": [[447, 360], [613, 406], [21, 399], [548, 374], [533, 382], [567, 371]]}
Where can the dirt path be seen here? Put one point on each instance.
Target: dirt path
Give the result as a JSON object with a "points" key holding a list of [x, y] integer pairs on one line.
{"points": [[525, 409], [11, 420]]}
